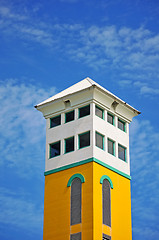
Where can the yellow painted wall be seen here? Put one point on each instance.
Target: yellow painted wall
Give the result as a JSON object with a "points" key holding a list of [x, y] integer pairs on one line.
{"points": [[57, 205], [120, 205]]}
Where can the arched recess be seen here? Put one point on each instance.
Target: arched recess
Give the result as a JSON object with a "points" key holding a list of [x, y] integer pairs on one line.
{"points": [[77, 175], [107, 178], [107, 185], [75, 182]]}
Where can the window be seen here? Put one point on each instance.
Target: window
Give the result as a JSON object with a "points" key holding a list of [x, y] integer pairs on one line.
{"points": [[110, 118], [84, 111], [121, 152], [111, 147], [76, 236], [55, 149], [84, 139], [99, 112], [106, 203], [121, 125], [69, 116], [106, 237], [55, 121], [76, 186], [69, 144], [99, 140]]}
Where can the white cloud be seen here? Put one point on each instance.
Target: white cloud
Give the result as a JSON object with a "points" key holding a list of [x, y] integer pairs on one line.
{"points": [[146, 145], [21, 25], [144, 168], [22, 128], [20, 212], [146, 232], [37, 35], [6, 12], [149, 90], [133, 53], [145, 89], [125, 82]]}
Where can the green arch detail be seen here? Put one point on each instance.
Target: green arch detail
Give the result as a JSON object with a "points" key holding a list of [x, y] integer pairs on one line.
{"points": [[108, 178], [77, 175]]}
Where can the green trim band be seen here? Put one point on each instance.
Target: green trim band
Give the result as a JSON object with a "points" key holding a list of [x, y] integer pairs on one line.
{"points": [[68, 166], [108, 178], [112, 168], [77, 175], [87, 161]]}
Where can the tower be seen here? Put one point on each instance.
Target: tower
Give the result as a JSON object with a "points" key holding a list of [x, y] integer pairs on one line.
{"points": [[87, 166]]}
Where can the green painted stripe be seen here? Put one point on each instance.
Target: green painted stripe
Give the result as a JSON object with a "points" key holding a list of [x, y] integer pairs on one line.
{"points": [[68, 166], [77, 175], [112, 168], [87, 161], [108, 178]]}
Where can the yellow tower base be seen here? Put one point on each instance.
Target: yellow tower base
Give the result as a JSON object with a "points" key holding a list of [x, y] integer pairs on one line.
{"points": [[57, 205]]}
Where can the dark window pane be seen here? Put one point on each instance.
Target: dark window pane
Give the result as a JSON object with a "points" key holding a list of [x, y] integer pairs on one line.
{"points": [[84, 140], [69, 145], [99, 141], [110, 118], [99, 112], [69, 116], [106, 203], [84, 111], [122, 153], [55, 121], [106, 237], [54, 149], [110, 147], [76, 201], [76, 236], [121, 125]]}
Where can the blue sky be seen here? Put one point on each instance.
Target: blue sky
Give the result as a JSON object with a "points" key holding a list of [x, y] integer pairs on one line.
{"points": [[45, 48]]}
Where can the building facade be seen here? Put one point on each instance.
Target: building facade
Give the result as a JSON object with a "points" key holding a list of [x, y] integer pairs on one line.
{"points": [[87, 166]]}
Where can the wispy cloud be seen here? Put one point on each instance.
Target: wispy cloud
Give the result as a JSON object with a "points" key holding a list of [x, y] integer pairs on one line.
{"points": [[36, 34], [20, 212], [146, 148], [132, 53], [21, 25], [5, 12], [22, 147], [144, 168], [149, 90], [22, 129], [142, 86]]}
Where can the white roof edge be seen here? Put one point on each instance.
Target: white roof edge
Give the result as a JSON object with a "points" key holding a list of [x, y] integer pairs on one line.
{"points": [[81, 85], [119, 99]]}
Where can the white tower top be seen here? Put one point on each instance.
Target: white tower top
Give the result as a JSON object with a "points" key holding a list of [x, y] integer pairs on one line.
{"points": [[86, 122]]}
